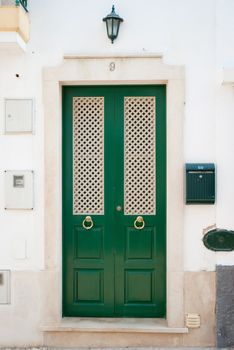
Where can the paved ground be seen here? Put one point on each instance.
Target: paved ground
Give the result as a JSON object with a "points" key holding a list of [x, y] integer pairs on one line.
{"points": [[147, 348]]}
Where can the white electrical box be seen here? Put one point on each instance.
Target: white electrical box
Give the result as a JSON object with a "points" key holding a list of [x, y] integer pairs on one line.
{"points": [[5, 286], [19, 193], [18, 116]]}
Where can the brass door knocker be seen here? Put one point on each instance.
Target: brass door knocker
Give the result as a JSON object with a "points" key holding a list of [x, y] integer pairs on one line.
{"points": [[87, 223], [139, 223]]}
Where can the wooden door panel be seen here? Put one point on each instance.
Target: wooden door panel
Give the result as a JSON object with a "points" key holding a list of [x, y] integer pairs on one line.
{"points": [[138, 286], [88, 285], [139, 243], [88, 245], [88, 262], [140, 270]]}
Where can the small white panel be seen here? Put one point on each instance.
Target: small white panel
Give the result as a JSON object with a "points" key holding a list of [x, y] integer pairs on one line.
{"points": [[18, 116], [4, 287], [19, 189]]}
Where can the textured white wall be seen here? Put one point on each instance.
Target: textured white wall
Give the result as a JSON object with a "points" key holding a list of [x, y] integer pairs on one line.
{"points": [[194, 33]]}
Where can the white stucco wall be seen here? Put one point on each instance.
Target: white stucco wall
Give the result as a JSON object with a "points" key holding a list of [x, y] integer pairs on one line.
{"points": [[194, 33]]}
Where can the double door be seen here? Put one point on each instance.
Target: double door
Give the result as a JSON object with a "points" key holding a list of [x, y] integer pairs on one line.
{"points": [[114, 201]]}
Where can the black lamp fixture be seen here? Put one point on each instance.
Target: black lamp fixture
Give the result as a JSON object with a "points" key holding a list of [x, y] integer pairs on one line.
{"points": [[112, 24]]}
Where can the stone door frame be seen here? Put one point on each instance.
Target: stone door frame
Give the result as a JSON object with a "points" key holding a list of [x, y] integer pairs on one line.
{"points": [[113, 70]]}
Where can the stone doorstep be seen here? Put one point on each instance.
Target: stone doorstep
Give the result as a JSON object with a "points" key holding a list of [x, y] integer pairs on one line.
{"points": [[113, 325]]}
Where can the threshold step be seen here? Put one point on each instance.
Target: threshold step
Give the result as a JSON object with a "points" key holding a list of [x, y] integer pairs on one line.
{"points": [[113, 325]]}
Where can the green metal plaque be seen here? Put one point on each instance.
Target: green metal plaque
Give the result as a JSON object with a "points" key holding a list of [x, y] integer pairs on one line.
{"points": [[219, 240]]}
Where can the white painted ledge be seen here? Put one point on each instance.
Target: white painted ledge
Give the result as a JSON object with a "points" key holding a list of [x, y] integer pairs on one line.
{"points": [[228, 76], [112, 55], [12, 42], [113, 325]]}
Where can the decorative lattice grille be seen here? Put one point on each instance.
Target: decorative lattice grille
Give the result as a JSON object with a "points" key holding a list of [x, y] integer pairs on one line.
{"points": [[139, 155], [88, 155]]}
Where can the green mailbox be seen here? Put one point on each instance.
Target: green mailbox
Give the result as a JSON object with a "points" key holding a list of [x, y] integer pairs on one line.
{"points": [[200, 183]]}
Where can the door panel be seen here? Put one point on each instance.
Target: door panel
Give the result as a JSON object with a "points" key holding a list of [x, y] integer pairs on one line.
{"points": [[114, 170], [88, 246]]}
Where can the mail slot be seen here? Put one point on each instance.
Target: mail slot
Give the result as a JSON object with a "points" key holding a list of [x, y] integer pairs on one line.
{"points": [[200, 183]]}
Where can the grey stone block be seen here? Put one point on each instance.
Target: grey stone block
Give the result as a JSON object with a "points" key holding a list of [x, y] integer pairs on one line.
{"points": [[225, 306]]}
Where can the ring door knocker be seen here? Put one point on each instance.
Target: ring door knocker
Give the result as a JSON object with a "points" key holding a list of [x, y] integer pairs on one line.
{"points": [[88, 220], [139, 223]]}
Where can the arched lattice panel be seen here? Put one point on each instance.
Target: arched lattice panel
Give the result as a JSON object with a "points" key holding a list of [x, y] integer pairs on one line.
{"points": [[139, 155], [88, 155]]}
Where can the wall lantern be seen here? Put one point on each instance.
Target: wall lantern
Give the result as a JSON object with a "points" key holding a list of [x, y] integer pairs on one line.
{"points": [[112, 24]]}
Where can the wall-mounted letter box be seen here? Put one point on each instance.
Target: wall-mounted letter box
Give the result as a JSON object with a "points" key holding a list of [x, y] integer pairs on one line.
{"points": [[18, 116], [19, 189], [200, 183]]}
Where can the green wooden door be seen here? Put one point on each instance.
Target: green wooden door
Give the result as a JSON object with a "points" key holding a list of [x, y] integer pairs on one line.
{"points": [[114, 201]]}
